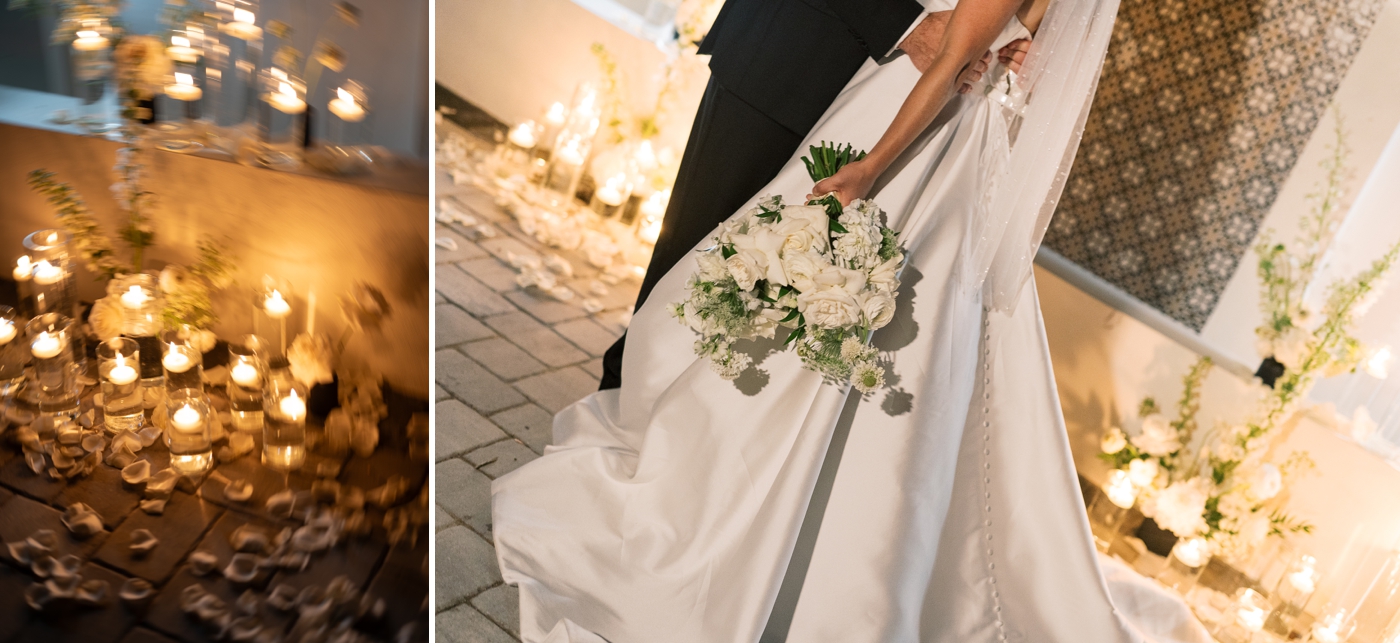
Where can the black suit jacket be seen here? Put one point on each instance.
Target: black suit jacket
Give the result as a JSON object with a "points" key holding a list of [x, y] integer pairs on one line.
{"points": [[790, 58]]}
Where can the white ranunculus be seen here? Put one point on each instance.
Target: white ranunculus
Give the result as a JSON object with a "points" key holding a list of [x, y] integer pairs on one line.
{"points": [[1180, 508], [173, 279], [878, 308], [1266, 482], [106, 318], [1113, 441], [830, 307], [1158, 437], [745, 269], [1143, 472], [801, 269], [712, 267], [1291, 346], [886, 275]]}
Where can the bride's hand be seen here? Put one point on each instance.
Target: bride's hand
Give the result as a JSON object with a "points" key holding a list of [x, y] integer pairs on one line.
{"points": [[853, 181]]}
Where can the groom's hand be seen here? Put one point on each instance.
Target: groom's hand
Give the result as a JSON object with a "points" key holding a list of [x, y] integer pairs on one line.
{"points": [[1014, 53], [922, 44]]}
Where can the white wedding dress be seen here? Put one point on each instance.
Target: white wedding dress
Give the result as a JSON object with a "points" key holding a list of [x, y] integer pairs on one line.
{"points": [[667, 511]]}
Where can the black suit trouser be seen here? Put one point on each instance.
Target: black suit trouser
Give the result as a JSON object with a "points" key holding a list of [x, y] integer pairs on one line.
{"points": [[734, 150]]}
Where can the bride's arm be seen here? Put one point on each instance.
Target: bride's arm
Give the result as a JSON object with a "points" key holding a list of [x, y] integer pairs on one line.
{"points": [[972, 29]]}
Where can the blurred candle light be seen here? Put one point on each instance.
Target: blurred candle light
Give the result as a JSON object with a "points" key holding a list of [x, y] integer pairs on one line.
{"points": [[285, 99], [1251, 612], [183, 88], [1120, 490], [7, 331], [90, 41], [180, 50], [122, 374], [293, 407], [46, 273], [1377, 365], [523, 135], [46, 346], [245, 374], [187, 419], [1305, 579], [24, 270], [241, 26], [134, 298], [555, 115], [345, 106], [275, 306]]}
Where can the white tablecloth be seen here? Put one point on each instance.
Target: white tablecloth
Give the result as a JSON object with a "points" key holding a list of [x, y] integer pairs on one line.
{"points": [[1160, 615]]}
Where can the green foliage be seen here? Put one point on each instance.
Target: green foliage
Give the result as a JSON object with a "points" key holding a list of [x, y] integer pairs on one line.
{"points": [[75, 219]]}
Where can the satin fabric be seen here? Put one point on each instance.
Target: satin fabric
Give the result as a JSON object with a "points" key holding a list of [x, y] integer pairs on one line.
{"points": [[668, 510]]}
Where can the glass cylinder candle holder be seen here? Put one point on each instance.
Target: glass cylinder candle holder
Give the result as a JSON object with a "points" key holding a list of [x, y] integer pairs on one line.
{"points": [[284, 420], [1244, 619], [231, 57], [1110, 508], [118, 370], [554, 119], [139, 299], [14, 354], [51, 272], [55, 372], [178, 113], [566, 165], [181, 361], [23, 274], [247, 371], [348, 114], [653, 211], [1294, 589], [188, 432], [1381, 600], [1187, 560], [281, 120], [610, 197], [92, 73], [272, 309], [1334, 625]]}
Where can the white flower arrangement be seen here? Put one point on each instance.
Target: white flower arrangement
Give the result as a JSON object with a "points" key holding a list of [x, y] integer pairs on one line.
{"points": [[828, 273]]}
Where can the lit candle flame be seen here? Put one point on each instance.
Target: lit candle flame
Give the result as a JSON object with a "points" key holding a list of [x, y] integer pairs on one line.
{"points": [[82, 34], [243, 15], [179, 41], [344, 95], [184, 79]]}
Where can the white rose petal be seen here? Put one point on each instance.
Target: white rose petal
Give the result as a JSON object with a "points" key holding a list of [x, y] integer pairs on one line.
{"points": [[829, 308], [878, 308]]}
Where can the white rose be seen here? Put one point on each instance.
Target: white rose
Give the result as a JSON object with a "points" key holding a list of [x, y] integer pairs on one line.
{"points": [[1291, 346], [814, 220], [878, 308], [801, 269], [693, 319], [1266, 482], [1179, 508], [1143, 472], [1113, 441], [829, 307], [106, 318], [886, 275], [1158, 436], [712, 267], [745, 269]]}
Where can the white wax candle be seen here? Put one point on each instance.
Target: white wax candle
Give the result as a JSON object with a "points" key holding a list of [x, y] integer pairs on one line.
{"points": [[1192, 552], [184, 88], [46, 346], [523, 135], [344, 106], [1326, 635], [1122, 494], [571, 154], [645, 156], [556, 114], [24, 271], [135, 297], [285, 100], [176, 361], [1302, 580], [7, 331], [650, 230], [655, 205], [121, 374], [244, 374], [614, 191], [242, 25], [90, 41], [275, 306], [180, 50], [187, 419], [293, 407], [1251, 618], [46, 274]]}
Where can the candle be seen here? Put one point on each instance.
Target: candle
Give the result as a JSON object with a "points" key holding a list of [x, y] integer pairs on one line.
{"points": [[176, 361], [293, 407], [285, 99], [1193, 552], [46, 346], [244, 374], [1302, 581], [7, 331], [650, 230], [571, 154], [1121, 491], [187, 419], [645, 156], [1252, 618], [655, 205], [242, 25], [90, 41], [275, 306], [344, 106], [46, 273], [556, 114], [181, 51], [23, 269], [523, 135], [121, 374], [134, 298], [184, 88], [613, 192]]}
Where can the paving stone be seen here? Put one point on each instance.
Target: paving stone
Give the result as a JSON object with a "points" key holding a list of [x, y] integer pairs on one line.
{"points": [[14, 612], [438, 299], [586, 334], [16, 475], [503, 358], [440, 393], [455, 326], [441, 519], [502, 247], [615, 321], [463, 624], [464, 565], [102, 625], [472, 295], [481, 204], [538, 340], [179, 528], [545, 308], [501, 604], [471, 383], [503, 457], [353, 558], [5, 495], [217, 541], [593, 367], [557, 389], [528, 423], [402, 582], [105, 492], [465, 493], [460, 429], [465, 249], [499, 276], [165, 615], [265, 481], [23, 516]]}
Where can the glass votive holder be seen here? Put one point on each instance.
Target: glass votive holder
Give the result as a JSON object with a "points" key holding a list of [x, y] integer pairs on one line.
{"points": [[610, 197], [14, 353], [1295, 587], [179, 109], [1187, 560], [247, 371], [55, 372], [23, 274], [139, 298], [118, 370], [282, 118], [566, 165], [272, 309], [181, 361], [1244, 619], [1336, 624], [51, 275], [188, 432], [1109, 509], [284, 423], [92, 72], [348, 112]]}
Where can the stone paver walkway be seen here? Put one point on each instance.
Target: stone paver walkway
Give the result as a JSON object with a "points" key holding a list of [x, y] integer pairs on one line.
{"points": [[507, 360]]}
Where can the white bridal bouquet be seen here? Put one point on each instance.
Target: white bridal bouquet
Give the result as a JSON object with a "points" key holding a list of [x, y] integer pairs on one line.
{"points": [[827, 273]]}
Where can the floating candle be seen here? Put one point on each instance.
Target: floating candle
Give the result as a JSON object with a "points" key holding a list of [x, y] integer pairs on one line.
{"points": [[24, 270], [90, 41], [556, 114], [275, 306], [571, 153], [121, 374], [176, 361], [344, 106], [293, 407], [187, 419], [184, 88], [655, 205], [285, 99], [7, 331], [180, 50], [135, 297], [1120, 490], [1193, 552], [245, 375], [46, 273], [242, 26], [46, 346], [524, 135]]}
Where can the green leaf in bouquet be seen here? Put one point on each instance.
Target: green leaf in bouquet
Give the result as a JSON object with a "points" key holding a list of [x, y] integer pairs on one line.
{"points": [[727, 251], [793, 314], [795, 335], [837, 227], [828, 159]]}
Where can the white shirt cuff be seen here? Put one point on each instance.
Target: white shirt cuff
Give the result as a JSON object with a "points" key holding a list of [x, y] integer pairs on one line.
{"points": [[908, 31]]}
